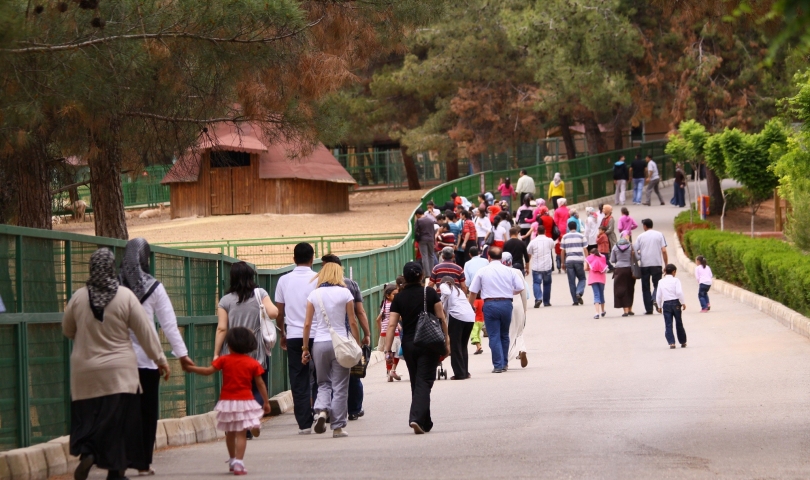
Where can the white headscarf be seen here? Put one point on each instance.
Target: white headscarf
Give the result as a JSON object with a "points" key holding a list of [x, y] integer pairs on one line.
{"points": [[561, 202], [506, 259], [557, 179]]}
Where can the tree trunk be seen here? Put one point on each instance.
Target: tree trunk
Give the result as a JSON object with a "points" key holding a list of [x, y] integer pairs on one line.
{"points": [[568, 139], [451, 164], [596, 142], [715, 189], [34, 185], [410, 170], [618, 140], [106, 193]]}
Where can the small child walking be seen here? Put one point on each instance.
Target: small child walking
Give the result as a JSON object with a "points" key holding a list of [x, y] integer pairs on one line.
{"points": [[671, 300], [237, 409], [475, 336], [603, 245], [597, 265], [382, 326], [703, 274]]}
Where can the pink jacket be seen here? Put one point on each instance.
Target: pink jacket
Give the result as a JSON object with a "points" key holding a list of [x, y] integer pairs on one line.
{"points": [[598, 266], [561, 219], [627, 223]]}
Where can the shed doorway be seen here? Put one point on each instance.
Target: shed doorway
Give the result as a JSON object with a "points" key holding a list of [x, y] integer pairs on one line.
{"points": [[231, 183]]}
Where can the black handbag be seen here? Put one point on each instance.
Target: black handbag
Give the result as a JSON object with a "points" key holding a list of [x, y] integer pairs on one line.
{"points": [[359, 370], [429, 333], [555, 232], [490, 238]]}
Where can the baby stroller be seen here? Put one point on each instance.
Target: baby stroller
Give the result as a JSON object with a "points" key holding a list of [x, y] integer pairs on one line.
{"points": [[440, 371]]}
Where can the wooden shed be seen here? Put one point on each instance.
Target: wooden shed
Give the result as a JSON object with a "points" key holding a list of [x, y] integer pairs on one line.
{"points": [[234, 171]]}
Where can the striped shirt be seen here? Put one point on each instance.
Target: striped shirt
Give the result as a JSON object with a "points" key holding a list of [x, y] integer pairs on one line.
{"points": [[447, 269], [573, 243]]}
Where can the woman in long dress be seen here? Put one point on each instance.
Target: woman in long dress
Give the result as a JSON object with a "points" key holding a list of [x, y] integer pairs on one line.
{"points": [[624, 285], [105, 423], [517, 346], [135, 276]]}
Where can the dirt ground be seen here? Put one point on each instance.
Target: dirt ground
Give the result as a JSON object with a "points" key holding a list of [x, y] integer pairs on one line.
{"points": [[379, 211], [739, 220]]}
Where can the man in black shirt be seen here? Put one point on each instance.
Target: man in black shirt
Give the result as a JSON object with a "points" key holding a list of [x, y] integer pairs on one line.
{"points": [[639, 169], [620, 177], [515, 246]]}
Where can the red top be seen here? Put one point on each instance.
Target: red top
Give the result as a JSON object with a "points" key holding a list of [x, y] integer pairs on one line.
{"points": [[603, 243], [237, 376], [469, 227], [479, 310], [548, 224]]}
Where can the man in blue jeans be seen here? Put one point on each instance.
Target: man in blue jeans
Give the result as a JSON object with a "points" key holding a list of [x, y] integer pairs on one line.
{"points": [[541, 263], [573, 247], [497, 285], [639, 174]]}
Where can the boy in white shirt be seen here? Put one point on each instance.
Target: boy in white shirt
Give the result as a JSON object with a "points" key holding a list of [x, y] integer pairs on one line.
{"points": [[670, 298]]}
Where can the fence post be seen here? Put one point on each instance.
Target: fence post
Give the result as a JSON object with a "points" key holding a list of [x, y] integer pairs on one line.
{"points": [[19, 272], [68, 269], [189, 384], [24, 408]]}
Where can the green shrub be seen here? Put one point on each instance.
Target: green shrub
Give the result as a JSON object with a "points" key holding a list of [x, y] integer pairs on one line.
{"points": [[683, 225], [765, 266], [735, 198]]}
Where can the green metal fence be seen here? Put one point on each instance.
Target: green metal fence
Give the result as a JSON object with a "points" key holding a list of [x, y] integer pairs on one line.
{"points": [[277, 253]]}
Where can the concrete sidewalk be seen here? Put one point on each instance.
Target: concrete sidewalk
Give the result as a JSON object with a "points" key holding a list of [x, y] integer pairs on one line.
{"points": [[600, 398]]}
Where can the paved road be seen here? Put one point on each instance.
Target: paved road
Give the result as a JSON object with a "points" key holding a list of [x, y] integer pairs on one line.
{"points": [[600, 399]]}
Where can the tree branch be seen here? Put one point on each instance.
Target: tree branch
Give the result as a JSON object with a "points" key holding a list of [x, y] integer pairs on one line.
{"points": [[164, 118], [142, 36]]}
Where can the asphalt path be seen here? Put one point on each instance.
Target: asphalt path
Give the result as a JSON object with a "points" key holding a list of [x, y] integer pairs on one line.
{"points": [[600, 398]]}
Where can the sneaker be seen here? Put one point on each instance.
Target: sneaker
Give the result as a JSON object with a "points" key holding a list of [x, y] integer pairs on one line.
{"points": [[416, 428], [704, 310], [596, 317], [523, 360], [395, 376], [537, 304], [604, 313], [671, 345], [683, 345], [340, 432], [575, 304], [497, 370], [230, 464], [256, 431], [708, 307], [320, 423], [83, 469], [305, 431], [579, 299], [547, 305], [239, 468], [390, 379], [355, 416]]}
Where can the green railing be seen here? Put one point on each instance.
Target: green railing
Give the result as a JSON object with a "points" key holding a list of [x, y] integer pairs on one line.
{"points": [[266, 253], [39, 270]]}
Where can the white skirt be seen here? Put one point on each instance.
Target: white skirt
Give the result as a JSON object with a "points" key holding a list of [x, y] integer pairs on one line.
{"points": [[238, 415]]}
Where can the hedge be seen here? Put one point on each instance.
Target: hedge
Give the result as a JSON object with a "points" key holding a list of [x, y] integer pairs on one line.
{"points": [[767, 267]]}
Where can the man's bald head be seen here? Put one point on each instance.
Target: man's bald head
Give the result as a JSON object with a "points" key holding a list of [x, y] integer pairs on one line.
{"points": [[495, 253]]}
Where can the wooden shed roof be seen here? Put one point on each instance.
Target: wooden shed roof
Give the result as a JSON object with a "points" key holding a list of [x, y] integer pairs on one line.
{"points": [[276, 160]]}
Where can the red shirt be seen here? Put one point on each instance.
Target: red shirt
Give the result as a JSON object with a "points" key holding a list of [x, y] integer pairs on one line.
{"points": [[237, 376], [548, 224], [469, 227], [479, 310]]}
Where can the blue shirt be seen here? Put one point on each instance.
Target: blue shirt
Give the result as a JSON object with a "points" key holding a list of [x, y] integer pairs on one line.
{"points": [[472, 266]]}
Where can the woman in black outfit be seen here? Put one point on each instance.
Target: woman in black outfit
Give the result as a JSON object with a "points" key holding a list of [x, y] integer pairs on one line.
{"points": [[421, 362]]}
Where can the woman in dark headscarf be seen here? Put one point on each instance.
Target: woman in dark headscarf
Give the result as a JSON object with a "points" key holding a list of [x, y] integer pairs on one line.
{"points": [[624, 285], [105, 418], [152, 295]]}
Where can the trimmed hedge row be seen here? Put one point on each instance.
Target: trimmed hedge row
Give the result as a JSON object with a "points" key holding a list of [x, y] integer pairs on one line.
{"points": [[767, 267]]}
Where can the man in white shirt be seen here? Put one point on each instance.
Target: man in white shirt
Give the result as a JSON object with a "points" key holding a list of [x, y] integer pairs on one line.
{"points": [[541, 263], [670, 297], [475, 263], [497, 285], [653, 179], [292, 291], [525, 185], [651, 251]]}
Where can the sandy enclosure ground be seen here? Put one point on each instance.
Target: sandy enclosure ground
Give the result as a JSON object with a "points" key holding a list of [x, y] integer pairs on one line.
{"points": [[380, 211]]}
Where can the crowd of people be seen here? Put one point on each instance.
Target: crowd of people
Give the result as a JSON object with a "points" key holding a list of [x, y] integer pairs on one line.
{"points": [[472, 262]]}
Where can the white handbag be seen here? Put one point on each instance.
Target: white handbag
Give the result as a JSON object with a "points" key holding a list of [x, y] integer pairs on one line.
{"points": [[268, 327], [347, 351]]}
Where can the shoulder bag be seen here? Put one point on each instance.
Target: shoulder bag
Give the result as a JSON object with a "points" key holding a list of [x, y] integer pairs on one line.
{"points": [[429, 333], [267, 326], [635, 269], [359, 370], [347, 351]]}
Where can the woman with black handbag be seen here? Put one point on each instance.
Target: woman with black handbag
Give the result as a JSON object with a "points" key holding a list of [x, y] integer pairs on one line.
{"points": [[413, 306]]}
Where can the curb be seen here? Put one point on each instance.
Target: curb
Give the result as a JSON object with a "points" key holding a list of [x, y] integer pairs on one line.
{"points": [[784, 315]]}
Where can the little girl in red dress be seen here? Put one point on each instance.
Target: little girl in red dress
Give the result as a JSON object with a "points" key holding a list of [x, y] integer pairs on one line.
{"points": [[237, 410]]}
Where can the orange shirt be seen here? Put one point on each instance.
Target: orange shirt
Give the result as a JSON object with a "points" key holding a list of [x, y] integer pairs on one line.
{"points": [[479, 310]]}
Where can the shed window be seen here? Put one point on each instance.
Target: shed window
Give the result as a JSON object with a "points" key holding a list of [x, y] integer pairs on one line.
{"points": [[227, 158]]}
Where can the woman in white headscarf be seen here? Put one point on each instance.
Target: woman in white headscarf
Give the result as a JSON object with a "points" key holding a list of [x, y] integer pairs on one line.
{"points": [[105, 428], [517, 346], [591, 227], [556, 189], [152, 295]]}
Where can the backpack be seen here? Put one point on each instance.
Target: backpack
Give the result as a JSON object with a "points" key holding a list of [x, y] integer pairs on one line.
{"points": [[524, 215]]}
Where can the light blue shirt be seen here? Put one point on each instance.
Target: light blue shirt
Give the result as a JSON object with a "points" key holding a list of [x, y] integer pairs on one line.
{"points": [[472, 266]]}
